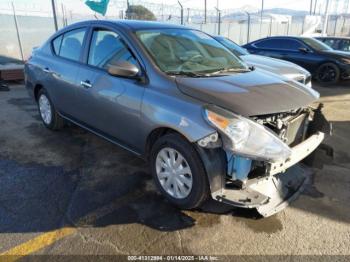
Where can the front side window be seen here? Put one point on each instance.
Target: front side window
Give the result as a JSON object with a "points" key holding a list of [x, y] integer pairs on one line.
{"points": [[330, 42], [344, 45], [315, 44], [106, 46], [181, 50], [71, 44]]}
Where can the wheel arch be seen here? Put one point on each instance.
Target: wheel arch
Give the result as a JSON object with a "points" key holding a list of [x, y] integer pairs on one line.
{"points": [[157, 133], [36, 90]]}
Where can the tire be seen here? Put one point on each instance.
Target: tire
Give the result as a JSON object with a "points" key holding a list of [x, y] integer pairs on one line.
{"points": [[190, 197], [47, 111], [328, 73]]}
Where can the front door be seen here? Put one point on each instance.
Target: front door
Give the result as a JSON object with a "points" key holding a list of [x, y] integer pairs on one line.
{"points": [[108, 104]]}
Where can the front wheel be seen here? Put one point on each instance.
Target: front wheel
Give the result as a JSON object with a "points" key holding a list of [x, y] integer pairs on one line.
{"points": [[178, 171], [328, 73]]}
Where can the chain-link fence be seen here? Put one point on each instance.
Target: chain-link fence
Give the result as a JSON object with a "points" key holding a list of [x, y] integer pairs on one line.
{"points": [[35, 22]]}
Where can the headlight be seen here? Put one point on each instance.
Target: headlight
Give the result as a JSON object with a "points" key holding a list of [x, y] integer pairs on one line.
{"points": [[345, 60], [246, 137]]}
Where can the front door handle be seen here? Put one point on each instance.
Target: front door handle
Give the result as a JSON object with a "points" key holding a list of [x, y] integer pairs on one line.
{"points": [[47, 70], [86, 84]]}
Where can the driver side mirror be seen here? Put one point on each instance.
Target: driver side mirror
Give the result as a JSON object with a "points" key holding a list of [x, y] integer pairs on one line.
{"points": [[123, 69], [304, 50]]}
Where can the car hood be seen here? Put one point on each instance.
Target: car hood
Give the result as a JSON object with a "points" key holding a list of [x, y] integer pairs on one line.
{"points": [[249, 94], [276, 66], [336, 54]]}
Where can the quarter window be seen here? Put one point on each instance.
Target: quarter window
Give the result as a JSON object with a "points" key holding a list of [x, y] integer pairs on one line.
{"points": [[106, 46], [69, 45], [57, 44]]}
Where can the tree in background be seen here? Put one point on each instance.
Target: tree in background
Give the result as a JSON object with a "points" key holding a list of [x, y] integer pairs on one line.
{"points": [[139, 12]]}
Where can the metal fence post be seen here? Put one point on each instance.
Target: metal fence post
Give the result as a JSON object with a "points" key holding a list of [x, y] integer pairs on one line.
{"points": [[302, 25], [270, 33], [17, 31], [288, 26], [219, 20], [54, 14], [335, 26], [182, 13], [248, 27]]}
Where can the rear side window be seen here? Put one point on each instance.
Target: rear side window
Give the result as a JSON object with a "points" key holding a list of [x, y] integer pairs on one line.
{"points": [[69, 45], [268, 43], [285, 44], [106, 46]]}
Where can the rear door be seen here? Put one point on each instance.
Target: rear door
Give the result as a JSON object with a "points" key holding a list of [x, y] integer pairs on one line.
{"points": [[108, 104], [62, 69]]}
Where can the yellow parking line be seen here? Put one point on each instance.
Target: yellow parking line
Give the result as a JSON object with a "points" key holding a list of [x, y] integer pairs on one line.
{"points": [[51, 237], [36, 244]]}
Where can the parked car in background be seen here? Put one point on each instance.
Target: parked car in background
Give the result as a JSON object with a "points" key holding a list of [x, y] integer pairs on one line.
{"points": [[326, 65], [337, 43], [277, 66], [208, 125]]}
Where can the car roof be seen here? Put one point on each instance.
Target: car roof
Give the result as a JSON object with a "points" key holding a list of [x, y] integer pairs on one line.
{"points": [[333, 37], [130, 24], [286, 37], [219, 37]]}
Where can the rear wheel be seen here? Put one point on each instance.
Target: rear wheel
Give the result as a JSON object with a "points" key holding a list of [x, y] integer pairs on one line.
{"points": [[178, 171], [328, 73], [47, 111]]}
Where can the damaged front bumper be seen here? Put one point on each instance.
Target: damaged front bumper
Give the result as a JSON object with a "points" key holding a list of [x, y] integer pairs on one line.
{"points": [[280, 183]]}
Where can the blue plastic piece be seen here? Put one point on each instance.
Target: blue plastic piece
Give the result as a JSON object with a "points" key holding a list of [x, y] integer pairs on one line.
{"points": [[238, 167]]}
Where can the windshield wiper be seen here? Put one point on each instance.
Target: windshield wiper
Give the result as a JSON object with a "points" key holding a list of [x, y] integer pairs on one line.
{"points": [[184, 73], [229, 70]]}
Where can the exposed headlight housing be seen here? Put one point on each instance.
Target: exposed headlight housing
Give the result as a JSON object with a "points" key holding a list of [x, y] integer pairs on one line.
{"points": [[245, 137]]}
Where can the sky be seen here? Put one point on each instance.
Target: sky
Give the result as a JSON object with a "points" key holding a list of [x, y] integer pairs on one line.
{"points": [[77, 6]]}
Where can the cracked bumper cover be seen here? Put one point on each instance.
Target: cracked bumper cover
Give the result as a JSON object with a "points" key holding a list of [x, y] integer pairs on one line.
{"points": [[283, 181]]}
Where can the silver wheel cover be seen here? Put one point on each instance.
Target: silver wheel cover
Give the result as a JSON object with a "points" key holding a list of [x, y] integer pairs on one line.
{"points": [[45, 109], [173, 172]]}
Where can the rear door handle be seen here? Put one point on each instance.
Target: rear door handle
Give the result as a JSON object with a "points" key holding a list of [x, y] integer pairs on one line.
{"points": [[86, 84]]}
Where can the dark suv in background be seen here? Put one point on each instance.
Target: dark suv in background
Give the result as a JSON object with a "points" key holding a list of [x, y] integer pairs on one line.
{"points": [[337, 43], [327, 66]]}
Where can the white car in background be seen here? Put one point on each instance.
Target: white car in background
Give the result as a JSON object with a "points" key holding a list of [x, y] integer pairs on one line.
{"points": [[276, 66]]}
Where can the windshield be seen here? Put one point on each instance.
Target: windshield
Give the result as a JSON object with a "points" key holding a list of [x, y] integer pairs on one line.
{"points": [[236, 49], [316, 44], [191, 52]]}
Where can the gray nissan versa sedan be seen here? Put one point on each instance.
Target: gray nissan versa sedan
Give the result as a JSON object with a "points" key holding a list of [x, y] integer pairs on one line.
{"points": [[209, 125]]}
